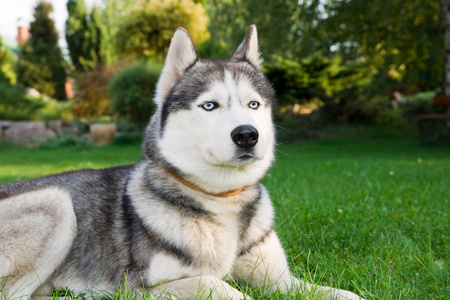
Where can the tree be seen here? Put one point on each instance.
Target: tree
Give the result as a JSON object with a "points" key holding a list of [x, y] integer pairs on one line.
{"points": [[87, 37], [41, 64], [7, 74], [401, 41], [101, 37], [275, 21], [146, 31], [76, 31]]}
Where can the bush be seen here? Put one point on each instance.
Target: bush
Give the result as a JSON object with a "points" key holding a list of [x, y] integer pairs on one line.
{"points": [[132, 92], [315, 78], [14, 104], [64, 141], [7, 64], [91, 100], [342, 91], [128, 139], [53, 109]]}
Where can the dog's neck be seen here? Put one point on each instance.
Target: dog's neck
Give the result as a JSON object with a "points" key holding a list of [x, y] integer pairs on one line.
{"points": [[199, 189]]}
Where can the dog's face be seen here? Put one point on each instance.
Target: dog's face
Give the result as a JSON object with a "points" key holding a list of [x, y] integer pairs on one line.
{"points": [[215, 116]]}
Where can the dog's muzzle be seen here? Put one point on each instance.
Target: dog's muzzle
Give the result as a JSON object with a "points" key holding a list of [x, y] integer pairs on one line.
{"points": [[245, 136]]}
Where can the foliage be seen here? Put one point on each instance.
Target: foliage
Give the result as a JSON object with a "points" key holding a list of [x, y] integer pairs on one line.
{"points": [[403, 46], [231, 19], [132, 92], [52, 109], [7, 64], [128, 139], [86, 36], [40, 62], [64, 141], [91, 100], [400, 50], [76, 32], [146, 31], [14, 104], [315, 78]]}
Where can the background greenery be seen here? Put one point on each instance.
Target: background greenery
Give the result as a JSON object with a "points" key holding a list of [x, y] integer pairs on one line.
{"points": [[369, 214], [339, 59]]}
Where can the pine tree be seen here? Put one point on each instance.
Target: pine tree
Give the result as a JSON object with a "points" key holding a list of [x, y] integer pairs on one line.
{"points": [[87, 37], [41, 64], [77, 32]]}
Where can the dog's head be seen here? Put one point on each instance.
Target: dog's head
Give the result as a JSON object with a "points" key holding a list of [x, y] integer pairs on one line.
{"points": [[213, 125]]}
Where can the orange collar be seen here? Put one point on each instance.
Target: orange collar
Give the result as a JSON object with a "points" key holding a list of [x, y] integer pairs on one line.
{"points": [[196, 188]]}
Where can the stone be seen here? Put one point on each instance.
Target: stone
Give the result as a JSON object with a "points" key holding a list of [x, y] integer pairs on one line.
{"points": [[102, 134], [26, 131]]}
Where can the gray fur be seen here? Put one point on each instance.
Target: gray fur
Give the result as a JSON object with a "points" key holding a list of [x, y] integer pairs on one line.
{"points": [[96, 228], [199, 77]]}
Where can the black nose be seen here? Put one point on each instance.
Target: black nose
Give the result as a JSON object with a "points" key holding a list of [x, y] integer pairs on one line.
{"points": [[245, 136]]}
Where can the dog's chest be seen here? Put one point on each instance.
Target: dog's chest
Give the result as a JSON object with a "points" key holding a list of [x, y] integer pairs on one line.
{"points": [[208, 246]]}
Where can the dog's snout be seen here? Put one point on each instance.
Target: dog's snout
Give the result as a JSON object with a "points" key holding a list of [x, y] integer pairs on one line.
{"points": [[245, 136]]}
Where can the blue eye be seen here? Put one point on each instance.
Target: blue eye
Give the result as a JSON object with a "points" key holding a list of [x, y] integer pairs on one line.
{"points": [[253, 105], [209, 106]]}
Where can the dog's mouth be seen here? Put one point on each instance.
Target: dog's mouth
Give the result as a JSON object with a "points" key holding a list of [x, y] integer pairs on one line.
{"points": [[240, 158], [245, 157]]}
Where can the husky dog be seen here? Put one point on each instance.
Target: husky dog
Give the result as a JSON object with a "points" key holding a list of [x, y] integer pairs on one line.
{"points": [[190, 214]]}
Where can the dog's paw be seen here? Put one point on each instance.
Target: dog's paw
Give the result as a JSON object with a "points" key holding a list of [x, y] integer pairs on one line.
{"points": [[344, 295]]}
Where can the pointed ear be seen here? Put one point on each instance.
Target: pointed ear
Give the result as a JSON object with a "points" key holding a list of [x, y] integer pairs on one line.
{"points": [[248, 49], [180, 57]]}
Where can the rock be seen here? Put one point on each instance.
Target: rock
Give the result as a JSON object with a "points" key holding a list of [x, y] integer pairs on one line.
{"points": [[26, 131], [56, 126], [102, 134]]}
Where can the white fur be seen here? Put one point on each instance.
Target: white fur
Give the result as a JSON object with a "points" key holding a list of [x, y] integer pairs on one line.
{"points": [[198, 142], [250, 48], [198, 287], [212, 242], [44, 220], [181, 55]]}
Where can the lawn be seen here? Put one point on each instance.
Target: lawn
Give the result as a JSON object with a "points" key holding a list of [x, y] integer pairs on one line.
{"points": [[367, 215]]}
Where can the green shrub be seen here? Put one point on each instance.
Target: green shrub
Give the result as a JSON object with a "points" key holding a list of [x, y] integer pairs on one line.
{"points": [[315, 78], [132, 92], [64, 141], [7, 64], [14, 104], [53, 109], [128, 139]]}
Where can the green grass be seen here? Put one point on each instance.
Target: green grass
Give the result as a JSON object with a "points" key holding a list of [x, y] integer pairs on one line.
{"points": [[367, 215]]}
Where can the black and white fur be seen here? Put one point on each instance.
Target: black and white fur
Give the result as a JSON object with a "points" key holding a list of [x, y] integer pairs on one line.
{"points": [[88, 230]]}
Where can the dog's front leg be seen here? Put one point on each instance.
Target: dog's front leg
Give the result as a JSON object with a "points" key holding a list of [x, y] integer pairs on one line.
{"points": [[265, 264]]}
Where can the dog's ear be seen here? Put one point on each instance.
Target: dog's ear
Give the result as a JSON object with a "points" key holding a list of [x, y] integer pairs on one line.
{"points": [[248, 49], [180, 57]]}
